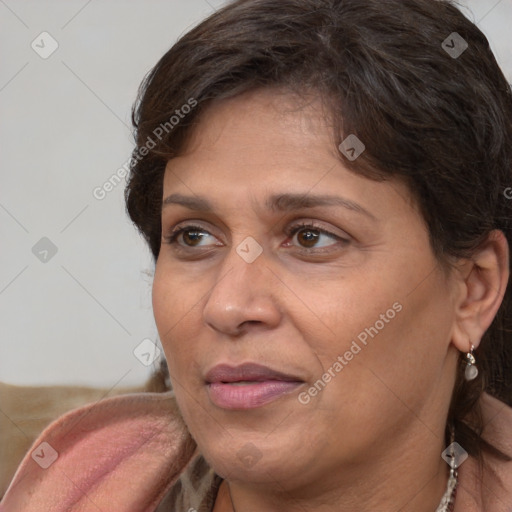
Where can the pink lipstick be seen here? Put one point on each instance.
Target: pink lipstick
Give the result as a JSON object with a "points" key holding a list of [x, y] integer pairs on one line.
{"points": [[247, 386]]}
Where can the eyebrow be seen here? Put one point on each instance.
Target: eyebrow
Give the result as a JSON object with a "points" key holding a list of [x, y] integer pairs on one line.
{"points": [[275, 203]]}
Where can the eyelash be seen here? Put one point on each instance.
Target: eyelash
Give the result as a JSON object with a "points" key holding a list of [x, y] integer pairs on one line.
{"points": [[290, 232]]}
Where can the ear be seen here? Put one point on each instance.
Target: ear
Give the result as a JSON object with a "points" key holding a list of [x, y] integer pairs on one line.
{"points": [[483, 280]]}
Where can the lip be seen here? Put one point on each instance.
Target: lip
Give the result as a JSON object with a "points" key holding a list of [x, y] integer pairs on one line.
{"points": [[261, 385], [247, 371]]}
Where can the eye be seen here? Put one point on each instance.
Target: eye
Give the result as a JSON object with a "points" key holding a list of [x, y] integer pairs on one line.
{"points": [[190, 235], [309, 235]]}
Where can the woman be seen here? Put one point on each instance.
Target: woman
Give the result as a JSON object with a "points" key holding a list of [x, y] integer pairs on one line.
{"points": [[321, 183]]}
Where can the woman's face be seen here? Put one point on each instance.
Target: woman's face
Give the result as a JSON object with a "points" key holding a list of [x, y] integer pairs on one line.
{"points": [[348, 319]]}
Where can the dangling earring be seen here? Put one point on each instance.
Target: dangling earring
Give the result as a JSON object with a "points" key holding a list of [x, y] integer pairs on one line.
{"points": [[471, 369]]}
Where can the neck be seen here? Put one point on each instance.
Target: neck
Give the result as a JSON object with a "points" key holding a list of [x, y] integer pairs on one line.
{"points": [[416, 484]]}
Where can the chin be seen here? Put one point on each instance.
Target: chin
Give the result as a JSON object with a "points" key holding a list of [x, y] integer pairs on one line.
{"points": [[246, 463], [257, 458]]}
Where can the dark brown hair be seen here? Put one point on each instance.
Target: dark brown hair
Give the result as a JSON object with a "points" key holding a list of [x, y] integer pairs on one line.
{"points": [[441, 122]]}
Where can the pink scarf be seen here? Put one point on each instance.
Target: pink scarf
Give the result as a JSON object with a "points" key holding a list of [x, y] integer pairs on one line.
{"points": [[124, 453]]}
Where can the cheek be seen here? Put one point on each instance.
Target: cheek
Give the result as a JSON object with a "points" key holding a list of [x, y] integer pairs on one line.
{"points": [[381, 321], [173, 298], [347, 312], [163, 303], [172, 305], [391, 354]]}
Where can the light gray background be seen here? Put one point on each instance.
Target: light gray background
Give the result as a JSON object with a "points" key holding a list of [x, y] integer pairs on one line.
{"points": [[65, 129]]}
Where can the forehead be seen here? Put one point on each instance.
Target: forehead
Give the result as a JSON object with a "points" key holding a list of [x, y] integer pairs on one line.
{"points": [[265, 123], [264, 143]]}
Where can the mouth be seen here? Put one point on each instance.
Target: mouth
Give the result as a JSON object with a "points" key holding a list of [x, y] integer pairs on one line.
{"points": [[248, 386]]}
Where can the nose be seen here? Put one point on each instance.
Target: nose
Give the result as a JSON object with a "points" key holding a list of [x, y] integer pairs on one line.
{"points": [[243, 295]]}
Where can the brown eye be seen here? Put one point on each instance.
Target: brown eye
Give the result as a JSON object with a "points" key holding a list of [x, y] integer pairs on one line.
{"points": [[308, 236], [191, 236]]}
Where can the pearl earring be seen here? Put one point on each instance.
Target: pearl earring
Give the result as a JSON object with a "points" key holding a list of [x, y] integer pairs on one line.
{"points": [[471, 369]]}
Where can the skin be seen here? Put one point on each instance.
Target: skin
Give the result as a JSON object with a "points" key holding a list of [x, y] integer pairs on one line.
{"points": [[372, 438]]}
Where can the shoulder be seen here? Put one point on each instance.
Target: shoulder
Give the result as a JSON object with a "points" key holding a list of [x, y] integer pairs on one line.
{"points": [[121, 453], [489, 489]]}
